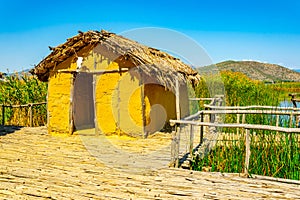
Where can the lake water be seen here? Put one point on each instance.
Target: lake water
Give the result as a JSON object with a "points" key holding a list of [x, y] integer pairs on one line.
{"points": [[288, 104], [285, 118]]}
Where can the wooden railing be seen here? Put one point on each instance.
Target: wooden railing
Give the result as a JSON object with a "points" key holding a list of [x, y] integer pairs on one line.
{"points": [[30, 111], [207, 118]]}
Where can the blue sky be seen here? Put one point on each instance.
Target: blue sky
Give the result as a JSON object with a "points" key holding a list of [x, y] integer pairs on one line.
{"points": [[267, 31]]}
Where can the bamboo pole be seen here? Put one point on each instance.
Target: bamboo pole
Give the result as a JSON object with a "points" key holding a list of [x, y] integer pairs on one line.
{"points": [[248, 151]]}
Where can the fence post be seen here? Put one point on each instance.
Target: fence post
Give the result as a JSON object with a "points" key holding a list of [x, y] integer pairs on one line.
{"points": [[248, 151], [237, 121], [291, 120], [3, 114], [201, 128], [30, 115], [175, 147], [243, 118], [277, 122], [191, 140]]}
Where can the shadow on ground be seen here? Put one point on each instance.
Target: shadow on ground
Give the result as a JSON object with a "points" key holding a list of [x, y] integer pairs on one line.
{"points": [[4, 130]]}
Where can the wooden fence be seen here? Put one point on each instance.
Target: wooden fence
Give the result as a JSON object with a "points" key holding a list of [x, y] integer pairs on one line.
{"points": [[30, 111], [209, 118]]}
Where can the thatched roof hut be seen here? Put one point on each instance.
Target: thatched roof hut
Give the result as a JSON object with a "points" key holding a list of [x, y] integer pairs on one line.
{"points": [[149, 60], [105, 63]]}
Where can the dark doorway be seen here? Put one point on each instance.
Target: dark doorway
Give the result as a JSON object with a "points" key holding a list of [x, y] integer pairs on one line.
{"points": [[83, 102]]}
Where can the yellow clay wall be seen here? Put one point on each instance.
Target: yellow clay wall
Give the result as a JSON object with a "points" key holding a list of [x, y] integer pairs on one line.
{"points": [[118, 98]]}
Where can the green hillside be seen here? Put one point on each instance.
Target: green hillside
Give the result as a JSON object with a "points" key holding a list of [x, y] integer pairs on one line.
{"points": [[256, 70]]}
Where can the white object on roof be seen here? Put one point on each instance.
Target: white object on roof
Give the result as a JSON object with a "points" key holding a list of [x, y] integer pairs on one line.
{"points": [[79, 62]]}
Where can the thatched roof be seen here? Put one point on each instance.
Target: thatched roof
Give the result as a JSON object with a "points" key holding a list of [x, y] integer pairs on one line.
{"points": [[152, 62]]}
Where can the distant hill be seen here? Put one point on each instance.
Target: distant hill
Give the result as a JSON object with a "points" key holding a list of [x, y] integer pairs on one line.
{"points": [[26, 71], [256, 70]]}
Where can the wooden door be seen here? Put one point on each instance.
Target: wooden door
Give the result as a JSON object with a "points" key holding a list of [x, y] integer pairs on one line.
{"points": [[83, 102]]}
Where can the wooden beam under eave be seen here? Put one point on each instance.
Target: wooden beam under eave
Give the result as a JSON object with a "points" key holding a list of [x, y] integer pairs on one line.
{"points": [[93, 72], [177, 99], [71, 120]]}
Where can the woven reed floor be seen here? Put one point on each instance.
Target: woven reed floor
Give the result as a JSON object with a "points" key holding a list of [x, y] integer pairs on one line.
{"points": [[35, 165]]}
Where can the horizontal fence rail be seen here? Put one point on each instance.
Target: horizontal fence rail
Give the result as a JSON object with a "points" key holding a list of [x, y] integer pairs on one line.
{"points": [[245, 126], [249, 107], [30, 110], [23, 105], [210, 117], [274, 112], [201, 99]]}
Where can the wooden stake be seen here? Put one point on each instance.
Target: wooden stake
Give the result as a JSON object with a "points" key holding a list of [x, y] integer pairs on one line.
{"points": [[118, 109], [248, 152], [71, 121], [177, 99], [142, 85], [177, 143], [277, 122], [3, 115], [175, 147], [191, 140], [243, 118], [201, 128], [237, 121], [30, 115], [291, 120], [97, 130], [48, 115]]}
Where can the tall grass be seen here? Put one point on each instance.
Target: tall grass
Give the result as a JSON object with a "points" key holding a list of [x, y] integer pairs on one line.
{"points": [[20, 89], [272, 153]]}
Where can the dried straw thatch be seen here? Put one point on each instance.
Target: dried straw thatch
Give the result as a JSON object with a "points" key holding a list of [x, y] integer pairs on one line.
{"points": [[152, 62]]}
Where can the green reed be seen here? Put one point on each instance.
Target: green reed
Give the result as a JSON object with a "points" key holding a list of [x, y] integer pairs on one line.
{"points": [[273, 153], [20, 89]]}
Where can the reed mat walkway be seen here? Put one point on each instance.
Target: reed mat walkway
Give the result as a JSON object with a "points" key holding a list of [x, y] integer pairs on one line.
{"points": [[35, 165]]}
